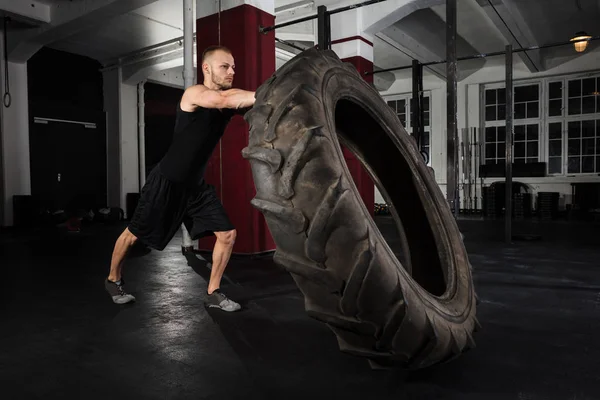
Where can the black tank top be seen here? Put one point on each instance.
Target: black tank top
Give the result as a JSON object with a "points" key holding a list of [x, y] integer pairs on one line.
{"points": [[196, 135]]}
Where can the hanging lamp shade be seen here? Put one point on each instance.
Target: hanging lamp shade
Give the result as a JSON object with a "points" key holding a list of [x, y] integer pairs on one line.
{"points": [[581, 41]]}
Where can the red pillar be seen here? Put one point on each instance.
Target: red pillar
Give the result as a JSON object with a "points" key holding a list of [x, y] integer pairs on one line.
{"points": [[227, 170], [362, 179]]}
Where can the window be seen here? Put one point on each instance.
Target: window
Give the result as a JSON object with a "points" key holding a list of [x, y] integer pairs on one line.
{"points": [[555, 147], [526, 127], [526, 102], [399, 107], [402, 106], [583, 96], [583, 146], [573, 137], [495, 144], [556, 121]]}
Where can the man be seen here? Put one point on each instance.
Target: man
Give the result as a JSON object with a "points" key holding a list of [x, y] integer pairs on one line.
{"points": [[175, 191]]}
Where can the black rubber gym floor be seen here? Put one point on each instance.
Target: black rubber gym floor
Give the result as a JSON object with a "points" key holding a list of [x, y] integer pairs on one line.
{"points": [[61, 336]]}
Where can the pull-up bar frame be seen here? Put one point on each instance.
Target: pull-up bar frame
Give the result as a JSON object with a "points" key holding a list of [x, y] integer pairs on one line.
{"points": [[265, 29], [484, 55]]}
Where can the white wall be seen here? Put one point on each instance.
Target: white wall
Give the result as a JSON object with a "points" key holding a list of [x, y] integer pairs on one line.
{"points": [[130, 166], [120, 104], [469, 109], [15, 137]]}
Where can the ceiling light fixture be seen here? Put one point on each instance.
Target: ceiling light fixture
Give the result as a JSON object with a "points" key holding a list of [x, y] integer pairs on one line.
{"points": [[581, 41]]}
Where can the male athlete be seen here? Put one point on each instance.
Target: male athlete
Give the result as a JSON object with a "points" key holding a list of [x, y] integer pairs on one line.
{"points": [[175, 190]]}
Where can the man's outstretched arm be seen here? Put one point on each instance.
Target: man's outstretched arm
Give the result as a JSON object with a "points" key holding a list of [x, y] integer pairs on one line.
{"points": [[201, 96]]}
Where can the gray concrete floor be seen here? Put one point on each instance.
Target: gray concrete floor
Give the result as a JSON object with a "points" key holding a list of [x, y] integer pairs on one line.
{"points": [[62, 337]]}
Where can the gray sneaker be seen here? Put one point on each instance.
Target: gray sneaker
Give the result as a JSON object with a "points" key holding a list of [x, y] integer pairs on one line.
{"points": [[218, 300], [117, 292]]}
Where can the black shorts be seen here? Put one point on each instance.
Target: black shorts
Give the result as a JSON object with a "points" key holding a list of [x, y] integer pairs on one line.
{"points": [[164, 205]]}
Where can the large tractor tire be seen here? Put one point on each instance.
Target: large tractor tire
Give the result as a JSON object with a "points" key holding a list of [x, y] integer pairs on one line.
{"points": [[414, 313]]}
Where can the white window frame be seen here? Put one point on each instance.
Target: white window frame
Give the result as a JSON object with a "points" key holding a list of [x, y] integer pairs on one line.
{"points": [[544, 120], [407, 98], [524, 121]]}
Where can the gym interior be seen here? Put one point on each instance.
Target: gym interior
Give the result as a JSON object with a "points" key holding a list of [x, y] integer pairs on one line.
{"points": [[451, 90]]}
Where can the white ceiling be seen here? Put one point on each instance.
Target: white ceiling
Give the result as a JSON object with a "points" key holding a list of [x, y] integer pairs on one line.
{"points": [[483, 26]]}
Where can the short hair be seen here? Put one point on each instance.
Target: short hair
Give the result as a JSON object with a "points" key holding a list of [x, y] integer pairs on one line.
{"points": [[211, 49]]}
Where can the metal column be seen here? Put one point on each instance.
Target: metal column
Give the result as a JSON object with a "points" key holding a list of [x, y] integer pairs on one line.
{"points": [[142, 133], [188, 77], [324, 28], [416, 116], [188, 43], [509, 146], [451, 110]]}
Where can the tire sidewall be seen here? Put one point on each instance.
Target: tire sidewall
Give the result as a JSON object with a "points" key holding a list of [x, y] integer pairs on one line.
{"points": [[457, 301]]}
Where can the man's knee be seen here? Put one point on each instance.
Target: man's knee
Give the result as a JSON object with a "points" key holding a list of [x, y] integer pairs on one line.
{"points": [[128, 237], [226, 238]]}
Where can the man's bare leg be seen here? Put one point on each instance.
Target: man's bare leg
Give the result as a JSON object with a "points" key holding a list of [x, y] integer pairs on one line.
{"points": [[221, 254], [220, 258], [113, 283]]}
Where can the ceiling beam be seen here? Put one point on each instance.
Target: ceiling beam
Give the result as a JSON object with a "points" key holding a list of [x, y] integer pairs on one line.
{"points": [[379, 16], [509, 20], [30, 10], [68, 18], [407, 48]]}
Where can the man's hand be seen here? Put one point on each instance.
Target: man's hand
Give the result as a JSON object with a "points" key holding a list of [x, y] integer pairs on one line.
{"points": [[201, 96]]}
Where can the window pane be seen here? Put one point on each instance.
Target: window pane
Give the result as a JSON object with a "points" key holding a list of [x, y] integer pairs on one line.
{"points": [[426, 118], [519, 161], [588, 128], [520, 110], [490, 113], [555, 148], [587, 164], [555, 108], [490, 134], [554, 130], [575, 106], [490, 97], [575, 88], [554, 165], [490, 161], [588, 105], [574, 129], [519, 133], [502, 111], [501, 96], [574, 147], [519, 149], [532, 160], [532, 149], [532, 132], [574, 167], [490, 150], [501, 152], [526, 93], [402, 105], [555, 90], [501, 134], [589, 86], [587, 147], [425, 141], [533, 110], [425, 103]]}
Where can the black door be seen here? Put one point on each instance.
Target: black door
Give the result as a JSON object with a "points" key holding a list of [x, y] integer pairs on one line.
{"points": [[68, 163]]}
